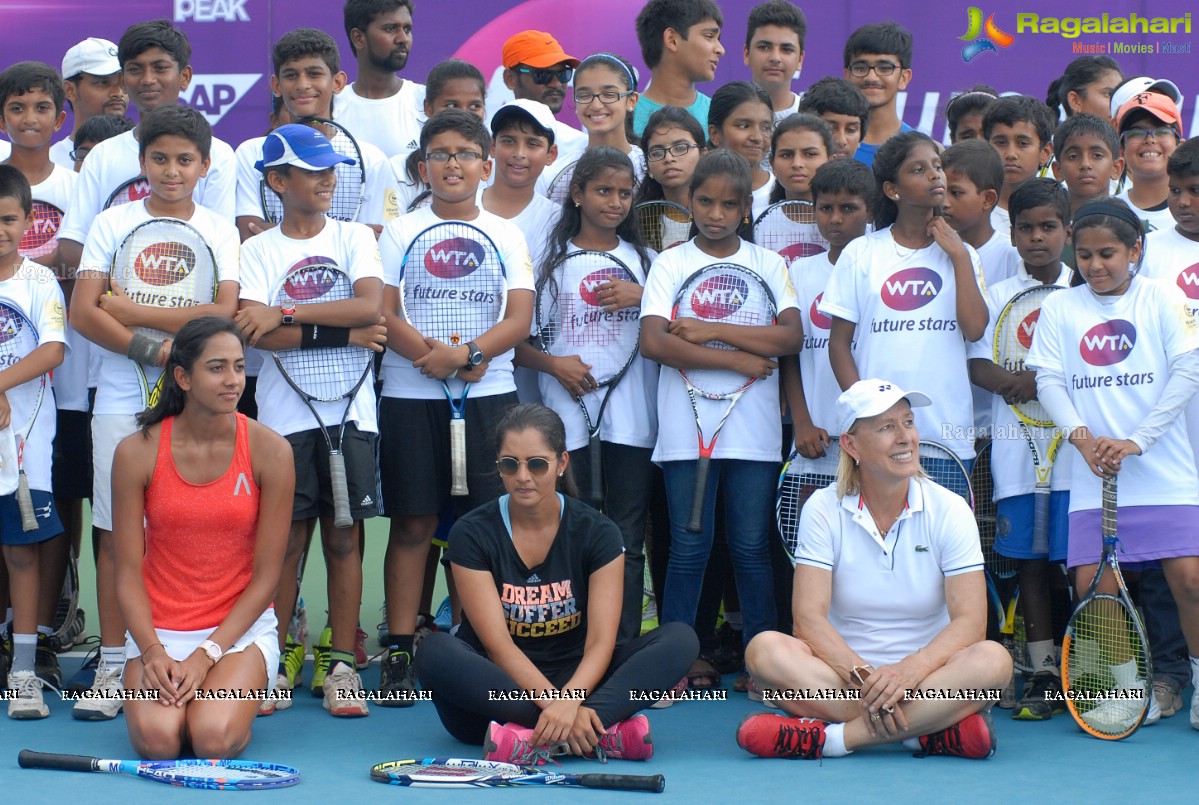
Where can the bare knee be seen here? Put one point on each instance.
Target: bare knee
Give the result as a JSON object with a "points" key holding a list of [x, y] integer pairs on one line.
{"points": [[991, 663], [215, 734], [765, 646], [155, 739]]}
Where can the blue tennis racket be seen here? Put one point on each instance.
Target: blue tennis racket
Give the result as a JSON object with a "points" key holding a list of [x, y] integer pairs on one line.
{"points": [[217, 775], [449, 772]]}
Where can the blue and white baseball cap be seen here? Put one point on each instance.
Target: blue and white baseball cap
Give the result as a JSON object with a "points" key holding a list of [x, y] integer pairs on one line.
{"points": [[868, 398], [299, 145]]}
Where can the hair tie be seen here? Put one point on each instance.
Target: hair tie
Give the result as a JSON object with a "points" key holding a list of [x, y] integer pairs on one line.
{"points": [[1114, 210], [612, 57]]}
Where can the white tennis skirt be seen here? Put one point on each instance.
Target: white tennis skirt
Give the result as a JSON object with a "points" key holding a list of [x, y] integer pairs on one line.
{"points": [[263, 633]]}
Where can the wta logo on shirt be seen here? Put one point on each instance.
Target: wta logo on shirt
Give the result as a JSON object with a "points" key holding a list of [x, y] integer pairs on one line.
{"points": [[1108, 343], [1026, 328], [819, 319], [1188, 280], [587, 288], [719, 297], [911, 288], [454, 258], [41, 238], [310, 279], [164, 263]]}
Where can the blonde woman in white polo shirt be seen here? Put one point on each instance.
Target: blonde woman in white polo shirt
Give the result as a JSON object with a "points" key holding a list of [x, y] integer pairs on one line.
{"points": [[889, 598]]}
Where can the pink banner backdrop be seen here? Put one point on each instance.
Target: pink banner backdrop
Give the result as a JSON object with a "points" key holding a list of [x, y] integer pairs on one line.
{"points": [[231, 41]]}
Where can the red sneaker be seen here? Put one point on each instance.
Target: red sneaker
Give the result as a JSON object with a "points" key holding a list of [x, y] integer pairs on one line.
{"points": [[773, 735], [626, 740], [972, 737], [512, 743]]}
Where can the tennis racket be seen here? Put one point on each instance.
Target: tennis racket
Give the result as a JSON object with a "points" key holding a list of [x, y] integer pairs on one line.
{"points": [[18, 338], [944, 467], [729, 294], [571, 320], [64, 634], [326, 375], [559, 190], [222, 775], [453, 288], [798, 480], [662, 224], [163, 263], [1003, 588], [1013, 338], [1107, 669], [41, 238], [423, 200], [449, 772], [135, 189], [789, 229], [351, 179]]}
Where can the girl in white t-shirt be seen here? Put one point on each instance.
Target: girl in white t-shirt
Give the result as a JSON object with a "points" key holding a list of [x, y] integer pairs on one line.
{"points": [[1116, 364], [745, 459], [908, 294], [596, 217], [741, 119], [801, 143], [671, 130]]}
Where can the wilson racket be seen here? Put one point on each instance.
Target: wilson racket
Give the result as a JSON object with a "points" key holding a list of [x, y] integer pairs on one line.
{"points": [[559, 189], [351, 179], [328, 374], [798, 480], [729, 294], [453, 288], [662, 224], [571, 320], [1107, 670], [135, 189], [163, 263], [449, 772], [1013, 338], [41, 238], [222, 775], [789, 229], [18, 338]]}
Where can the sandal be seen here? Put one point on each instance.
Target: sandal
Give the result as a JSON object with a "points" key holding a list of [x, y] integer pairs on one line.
{"points": [[703, 674]]}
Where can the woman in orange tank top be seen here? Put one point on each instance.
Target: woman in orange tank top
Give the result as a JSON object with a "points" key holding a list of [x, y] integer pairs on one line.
{"points": [[201, 508]]}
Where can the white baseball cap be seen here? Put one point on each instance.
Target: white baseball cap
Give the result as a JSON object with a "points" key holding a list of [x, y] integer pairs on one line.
{"points": [[537, 111], [868, 398], [94, 55], [1143, 83]]}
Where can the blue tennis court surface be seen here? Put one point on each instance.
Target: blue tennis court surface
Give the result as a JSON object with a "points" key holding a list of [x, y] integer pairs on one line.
{"points": [[695, 749]]}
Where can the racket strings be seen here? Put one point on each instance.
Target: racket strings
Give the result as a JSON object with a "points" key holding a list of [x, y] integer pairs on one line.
{"points": [[945, 468], [221, 772], [133, 190], [662, 224], [789, 229], [330, 373], [1107, 666], [347, 196], [800, 478], [605, 340], [165, 264], [730, 295], [41, 238], [453, 285]]}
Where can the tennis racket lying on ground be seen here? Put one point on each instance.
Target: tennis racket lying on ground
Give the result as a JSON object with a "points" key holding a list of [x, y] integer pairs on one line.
{"points": [[571, 320], [135, 189], [729, 294], [328, 374], [351, 179], [788, 228], [18, 338], [448, 772], [1107, 669], [798, 480], [41, 238], [662, 224], [453, 288], [223, 775]]}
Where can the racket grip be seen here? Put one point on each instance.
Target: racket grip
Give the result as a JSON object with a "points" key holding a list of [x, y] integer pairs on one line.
{"points": [[28, 759], [696, 523], [1040, 521], [458, 457], [25, 503], [655, 783], [341, 490], [597, 472]]}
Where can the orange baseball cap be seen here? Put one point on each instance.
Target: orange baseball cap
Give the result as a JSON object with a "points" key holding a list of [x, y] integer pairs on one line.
{"points": [[1156, 104], [536, 49]]}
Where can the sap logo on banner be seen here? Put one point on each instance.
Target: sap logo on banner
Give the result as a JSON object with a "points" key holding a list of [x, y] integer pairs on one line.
{"points": [[211, 11], [214, 94]]}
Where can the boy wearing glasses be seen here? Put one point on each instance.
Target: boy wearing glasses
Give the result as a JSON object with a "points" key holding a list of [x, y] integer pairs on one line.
{"points": [[1149, 125], [414, 414], [680, 44], [878, 61]]}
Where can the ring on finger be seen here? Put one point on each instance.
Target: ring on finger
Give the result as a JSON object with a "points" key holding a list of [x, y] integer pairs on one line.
{"points": [[875, 716], [889, 710]]}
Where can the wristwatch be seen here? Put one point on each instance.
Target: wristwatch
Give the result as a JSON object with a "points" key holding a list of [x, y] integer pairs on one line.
{"points": [[212, 650], [289, 313], [475, 357]]}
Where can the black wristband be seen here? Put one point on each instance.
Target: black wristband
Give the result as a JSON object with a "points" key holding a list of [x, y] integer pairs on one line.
{"points": [[144, 349], [317, 336]]}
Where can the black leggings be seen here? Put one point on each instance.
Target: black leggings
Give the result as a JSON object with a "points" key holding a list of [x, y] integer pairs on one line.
{"points": [[462, 677]]}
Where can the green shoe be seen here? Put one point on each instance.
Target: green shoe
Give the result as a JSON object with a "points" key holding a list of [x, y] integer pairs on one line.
{"points": [[293, 663], [320, 661]]}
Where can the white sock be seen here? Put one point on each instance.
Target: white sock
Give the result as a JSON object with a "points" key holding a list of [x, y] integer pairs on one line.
{"points": [[112, 656], [1125, 674], [46, 630], [1041, 656], [834, 741], [1195, 672], [24, 650], [913, 744]]}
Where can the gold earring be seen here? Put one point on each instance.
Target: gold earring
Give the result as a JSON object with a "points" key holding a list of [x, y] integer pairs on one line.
{"points": [[745, 220]]}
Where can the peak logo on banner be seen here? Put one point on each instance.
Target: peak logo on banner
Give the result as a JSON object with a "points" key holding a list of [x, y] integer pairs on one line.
{"points": [[911, 288], [454, 258], [819, 319], [1108, 342], [1026, 329], [214, 94], [719, 297], [211, 11], [1188, 280]]}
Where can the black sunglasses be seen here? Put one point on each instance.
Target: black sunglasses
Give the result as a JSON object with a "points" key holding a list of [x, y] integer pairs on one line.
{"points": [[542, 76]]}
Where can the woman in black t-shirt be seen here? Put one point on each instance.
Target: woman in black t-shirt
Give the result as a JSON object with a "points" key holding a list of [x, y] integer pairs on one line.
{"points": [[541, 577]]}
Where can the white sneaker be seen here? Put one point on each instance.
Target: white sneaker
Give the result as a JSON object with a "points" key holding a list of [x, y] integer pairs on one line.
{"points": [[28, 702], [1113, 714], [344, 696], [1195, 710], [1155, 712], [103, 700], [281, 702]]}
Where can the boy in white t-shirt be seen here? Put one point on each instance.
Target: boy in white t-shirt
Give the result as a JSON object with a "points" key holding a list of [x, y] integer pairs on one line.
{"points": [[29, 289], [298, 162], [91, 75], [774, 42], [175, 146], [414, 413]]}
